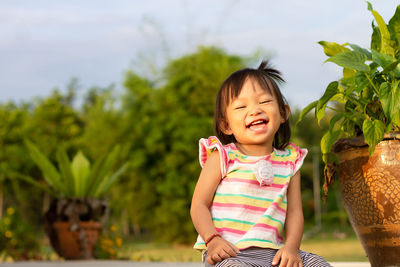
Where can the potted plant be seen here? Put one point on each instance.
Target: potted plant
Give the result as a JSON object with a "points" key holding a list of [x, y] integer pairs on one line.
{"points": [[363, 140], [73, 220]]}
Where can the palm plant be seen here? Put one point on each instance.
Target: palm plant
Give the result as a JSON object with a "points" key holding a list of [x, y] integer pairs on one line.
{"points": [[76, 178], [77, 189]]}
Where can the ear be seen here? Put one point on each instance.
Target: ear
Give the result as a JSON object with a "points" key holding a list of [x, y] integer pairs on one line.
{"points": [[224, 126], [287, 108]]}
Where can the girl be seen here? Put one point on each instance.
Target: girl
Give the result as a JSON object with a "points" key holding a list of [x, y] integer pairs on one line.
{"points": [[248, 191]]}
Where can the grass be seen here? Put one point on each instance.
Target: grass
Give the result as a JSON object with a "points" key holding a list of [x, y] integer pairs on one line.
{"points": [[159, 252], [336, 250], [332, 246]]}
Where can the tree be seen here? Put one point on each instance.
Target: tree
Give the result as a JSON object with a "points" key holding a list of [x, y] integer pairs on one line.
{"points": [[165, 123]]}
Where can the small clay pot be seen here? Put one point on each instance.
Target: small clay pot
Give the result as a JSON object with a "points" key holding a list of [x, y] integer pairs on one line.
{"points": [[77, 241]]}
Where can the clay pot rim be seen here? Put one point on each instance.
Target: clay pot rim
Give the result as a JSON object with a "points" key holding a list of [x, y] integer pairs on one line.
{"points": [[66, 224], [358, 142]]}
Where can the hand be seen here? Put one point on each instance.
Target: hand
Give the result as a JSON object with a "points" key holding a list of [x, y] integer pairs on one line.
{"points": [[288, 256], [220, 249]]}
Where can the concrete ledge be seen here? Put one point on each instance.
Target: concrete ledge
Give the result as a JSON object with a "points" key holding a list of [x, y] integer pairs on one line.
{"points": [[100, 263], [351, 264]]}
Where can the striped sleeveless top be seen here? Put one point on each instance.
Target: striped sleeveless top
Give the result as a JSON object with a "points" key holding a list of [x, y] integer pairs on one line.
{"points": [[245, 211]]}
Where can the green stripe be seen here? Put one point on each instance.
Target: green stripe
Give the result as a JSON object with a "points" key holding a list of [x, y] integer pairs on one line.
{"points": [[254, 239], [251, 197], [232, 220], [281, 176], [246, 222], [246, 196], [287, 155], [244, 171], [237, 155], [274, 154], [273, 219], [251, 171]]}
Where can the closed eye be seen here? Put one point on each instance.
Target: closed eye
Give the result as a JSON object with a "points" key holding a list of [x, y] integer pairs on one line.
{"points": [[239, 107], [265, 101]]}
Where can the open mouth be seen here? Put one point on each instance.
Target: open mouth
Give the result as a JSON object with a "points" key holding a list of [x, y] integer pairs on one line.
{"points": [[257, 124]]}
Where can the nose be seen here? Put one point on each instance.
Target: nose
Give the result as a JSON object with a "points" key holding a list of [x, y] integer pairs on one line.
{"points": [[256, 110]]}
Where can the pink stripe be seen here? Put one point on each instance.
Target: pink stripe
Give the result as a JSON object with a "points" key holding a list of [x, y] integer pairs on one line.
{"points": [[240, 180], [243, 206], [278, 208], [252, 182], [258, 212], [230, 230], [247, 207], [261, 226], [278, 163]]}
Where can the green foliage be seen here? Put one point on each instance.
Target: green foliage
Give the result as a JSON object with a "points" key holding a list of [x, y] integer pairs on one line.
{"points": [[76, 178], [366, 99], [109, 245], [165, 121], [16, 236], [157, 124]]}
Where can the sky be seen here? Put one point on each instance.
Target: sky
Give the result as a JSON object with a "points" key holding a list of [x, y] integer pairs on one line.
{"points": [[46, 43]]}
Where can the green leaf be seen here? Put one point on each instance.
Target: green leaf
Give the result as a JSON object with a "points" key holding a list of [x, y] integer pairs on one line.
{"points": [[386, 44], [50, 173], [373, 133], [382, 59], [327, 141], [361, 50], [360, 81], [109, 181], [375, 38], [95, 174], [305, 111], [329, 93], [335, 119], [348, 73], [369, 6], [66, 172], [332, 48], [391, 67], [350, 59], [394, 26], [104, 169], [80, 169], [390, 99], [35, 183]]}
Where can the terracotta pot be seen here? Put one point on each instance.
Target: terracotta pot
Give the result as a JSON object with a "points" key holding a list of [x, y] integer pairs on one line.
{"points": [[370, 187], [77, 242]]}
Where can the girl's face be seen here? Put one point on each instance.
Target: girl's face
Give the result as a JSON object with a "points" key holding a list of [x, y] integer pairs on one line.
{"points": [[253, 117]]}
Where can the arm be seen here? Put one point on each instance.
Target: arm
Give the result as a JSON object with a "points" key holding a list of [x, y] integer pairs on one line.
{"points": [[294, 226], [210, 177]]}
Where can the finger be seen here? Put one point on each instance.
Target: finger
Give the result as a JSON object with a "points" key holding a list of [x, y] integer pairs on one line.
{"points": [[283, 262], [216, 258], [276, 258], [210, 260], [231, 252], [223, 255], [235, 248]]}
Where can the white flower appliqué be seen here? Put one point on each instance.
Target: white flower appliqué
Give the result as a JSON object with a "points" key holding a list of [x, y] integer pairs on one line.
{"points": [[264, 172]]}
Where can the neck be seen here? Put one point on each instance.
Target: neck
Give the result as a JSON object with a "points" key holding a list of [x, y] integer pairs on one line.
{"points": [[255, 150]]}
